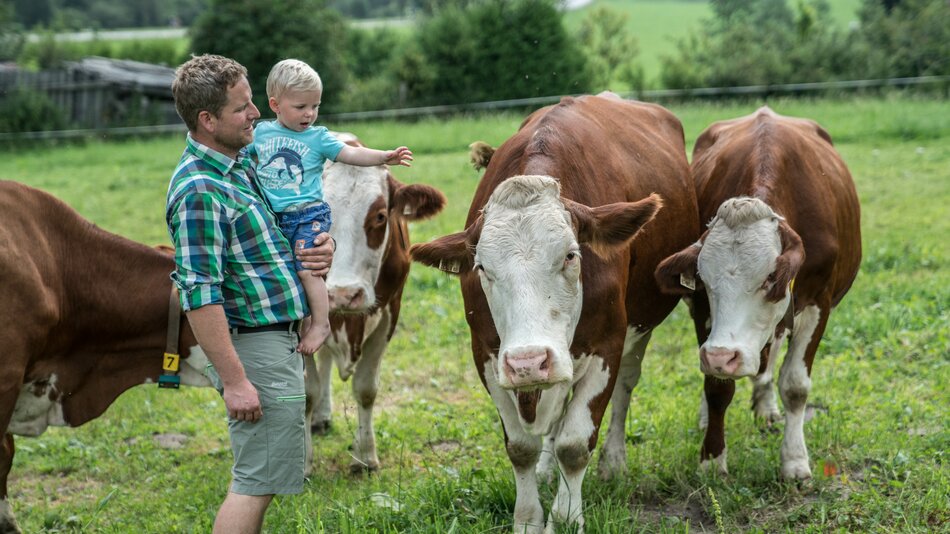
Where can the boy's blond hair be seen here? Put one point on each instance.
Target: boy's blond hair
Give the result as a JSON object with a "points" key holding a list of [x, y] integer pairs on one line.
{"points": [[292, 75]]}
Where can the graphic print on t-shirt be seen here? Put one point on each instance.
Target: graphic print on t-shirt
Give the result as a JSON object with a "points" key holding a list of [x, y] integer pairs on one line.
{"points": [[283, 169]]}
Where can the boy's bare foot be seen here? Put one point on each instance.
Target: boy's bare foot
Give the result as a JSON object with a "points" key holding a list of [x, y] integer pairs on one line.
{"points": [[313, 337]]}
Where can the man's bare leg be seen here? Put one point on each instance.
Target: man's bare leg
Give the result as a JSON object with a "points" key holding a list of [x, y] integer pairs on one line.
{"points": [[313, 337], [241, 514]]}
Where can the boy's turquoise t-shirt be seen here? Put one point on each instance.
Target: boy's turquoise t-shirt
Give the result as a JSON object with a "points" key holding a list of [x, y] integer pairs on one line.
{"points": [[290, 164]]}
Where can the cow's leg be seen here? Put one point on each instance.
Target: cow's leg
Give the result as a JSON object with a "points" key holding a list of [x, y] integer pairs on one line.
{"points": [[546, 462], [322, 392], [575, 442], [763, 394], [698, 305], [613, 454], [718, 394], [8, 524], [365, 387], [794, 385], [523, 450]]}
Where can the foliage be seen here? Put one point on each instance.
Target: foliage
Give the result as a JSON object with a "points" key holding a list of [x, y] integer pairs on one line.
{"points": [[611, 50], [48, 53], [78, 14], [23, 110], [496, 50], [259, 34], [11, 34], [751, 42], [910, 39], [878, 441]]}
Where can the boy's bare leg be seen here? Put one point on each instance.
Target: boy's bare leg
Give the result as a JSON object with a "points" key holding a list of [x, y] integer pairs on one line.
{"points": [[316, 289]]}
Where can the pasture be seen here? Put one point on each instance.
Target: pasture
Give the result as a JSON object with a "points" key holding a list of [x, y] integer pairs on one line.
{"points": [[878, 438]]}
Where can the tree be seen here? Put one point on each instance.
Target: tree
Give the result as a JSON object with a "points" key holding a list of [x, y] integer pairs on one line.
{"points": [[11, 34], [259, 34], [497, 49], [611, 51], [907, 38]]}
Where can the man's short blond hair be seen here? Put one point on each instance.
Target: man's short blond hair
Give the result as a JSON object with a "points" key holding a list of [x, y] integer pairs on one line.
{"points": [[202, 83], [292, 75]]}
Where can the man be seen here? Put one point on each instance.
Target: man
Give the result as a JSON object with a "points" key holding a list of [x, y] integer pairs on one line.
{"points": [[239, 289]]}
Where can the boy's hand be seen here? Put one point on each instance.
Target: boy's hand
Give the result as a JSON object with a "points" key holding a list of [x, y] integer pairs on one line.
{"points": [[400, 156]]}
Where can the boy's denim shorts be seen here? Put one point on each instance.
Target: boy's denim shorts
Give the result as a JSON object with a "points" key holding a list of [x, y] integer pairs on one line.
{"points": [[301, 227]]}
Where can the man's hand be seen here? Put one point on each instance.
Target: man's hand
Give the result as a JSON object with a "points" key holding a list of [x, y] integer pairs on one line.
{"points": [[242, 402], [400, 156], [318, 258]]}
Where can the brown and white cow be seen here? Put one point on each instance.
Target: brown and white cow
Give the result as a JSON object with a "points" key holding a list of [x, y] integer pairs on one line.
{"points": [[559, 296], [76, 330], [784, 221], [370, 211]]}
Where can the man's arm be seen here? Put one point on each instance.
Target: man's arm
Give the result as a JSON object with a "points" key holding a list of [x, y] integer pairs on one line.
{"points": [[210, 327], [318, 258], [367, 157]]}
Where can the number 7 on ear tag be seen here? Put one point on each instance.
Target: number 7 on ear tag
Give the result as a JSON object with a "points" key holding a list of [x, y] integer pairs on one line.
{"points": [[170, 362]]}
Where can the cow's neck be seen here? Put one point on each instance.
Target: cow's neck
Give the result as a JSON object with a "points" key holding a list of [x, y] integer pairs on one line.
{"points": [[116, 290]]}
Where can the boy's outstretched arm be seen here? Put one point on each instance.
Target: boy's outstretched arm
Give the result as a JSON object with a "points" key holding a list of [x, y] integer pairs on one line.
{"points": [[367, 157]]}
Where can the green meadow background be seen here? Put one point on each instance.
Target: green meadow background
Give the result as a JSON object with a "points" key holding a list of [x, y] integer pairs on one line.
{"points": [[878, 439]]}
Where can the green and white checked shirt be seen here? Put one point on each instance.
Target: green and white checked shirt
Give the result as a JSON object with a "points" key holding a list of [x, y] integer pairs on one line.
{"points": [[228, 248]]}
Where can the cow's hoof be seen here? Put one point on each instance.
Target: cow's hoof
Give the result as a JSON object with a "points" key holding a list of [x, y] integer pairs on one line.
{"points": [[719, 464], [321, 428], [796, 470], [359, 469]]}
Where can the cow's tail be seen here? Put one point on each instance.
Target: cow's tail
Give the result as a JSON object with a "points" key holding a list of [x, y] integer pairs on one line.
{"points": [[480, 154]]}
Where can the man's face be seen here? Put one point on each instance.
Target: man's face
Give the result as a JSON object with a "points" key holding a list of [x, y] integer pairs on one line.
{"points": [[297, 110], [233, 127]]}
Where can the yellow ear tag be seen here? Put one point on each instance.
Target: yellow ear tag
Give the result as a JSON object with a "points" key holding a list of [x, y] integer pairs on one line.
{"points": [[791, 285], [170, 362]]}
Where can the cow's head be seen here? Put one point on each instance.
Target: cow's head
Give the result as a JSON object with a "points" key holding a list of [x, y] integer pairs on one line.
{"points": [[526, 250], [367, 204], [746, 260]]}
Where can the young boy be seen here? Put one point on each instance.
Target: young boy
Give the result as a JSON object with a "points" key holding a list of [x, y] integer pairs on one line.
{"points": [[291, 152]]}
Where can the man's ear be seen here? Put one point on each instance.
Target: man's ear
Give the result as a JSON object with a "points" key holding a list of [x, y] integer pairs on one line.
{"points": [[206, 121]]}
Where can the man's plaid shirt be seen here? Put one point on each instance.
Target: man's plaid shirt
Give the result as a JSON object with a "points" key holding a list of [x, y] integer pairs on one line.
{"points": [[228, 248]]}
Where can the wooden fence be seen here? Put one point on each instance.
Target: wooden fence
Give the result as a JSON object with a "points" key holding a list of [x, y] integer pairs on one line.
{"points": [[98, 93]]}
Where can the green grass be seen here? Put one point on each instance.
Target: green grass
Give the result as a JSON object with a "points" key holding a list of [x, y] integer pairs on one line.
{"points": [[880, 375], [659, 24]]}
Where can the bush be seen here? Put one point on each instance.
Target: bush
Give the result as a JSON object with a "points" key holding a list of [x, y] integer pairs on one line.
{"points": [[259, 34], [910, 39], [495, 50], [752, 42], [23, 110]]}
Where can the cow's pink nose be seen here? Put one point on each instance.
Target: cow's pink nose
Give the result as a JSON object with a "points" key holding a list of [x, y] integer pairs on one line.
{"points": [[346, 297], [720, 360], [528, 366]]}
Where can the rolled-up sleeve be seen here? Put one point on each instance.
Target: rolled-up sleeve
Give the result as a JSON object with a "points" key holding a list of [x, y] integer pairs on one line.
{"points": [[200, 230]]}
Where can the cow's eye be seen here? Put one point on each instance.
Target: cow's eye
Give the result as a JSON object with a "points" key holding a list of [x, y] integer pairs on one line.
{"points": [[572, 256], [380, 217]]}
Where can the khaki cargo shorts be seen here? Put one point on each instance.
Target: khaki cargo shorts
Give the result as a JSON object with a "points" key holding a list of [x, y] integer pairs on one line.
{"points": [[269, 454]]}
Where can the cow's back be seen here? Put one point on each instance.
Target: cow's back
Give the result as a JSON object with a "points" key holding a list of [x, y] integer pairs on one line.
{"points": [[792, 165], [603, 150]]}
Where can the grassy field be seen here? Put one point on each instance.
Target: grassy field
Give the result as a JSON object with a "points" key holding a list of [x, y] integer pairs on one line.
{"points": [[659, 24], [878, 441]]}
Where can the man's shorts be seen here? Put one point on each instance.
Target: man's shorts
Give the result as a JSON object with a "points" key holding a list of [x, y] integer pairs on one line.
{"points": [[301, 227], [269, 455]]}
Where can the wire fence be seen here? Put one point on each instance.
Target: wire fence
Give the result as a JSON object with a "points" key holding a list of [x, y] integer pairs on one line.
{"points": [[849, 86]]}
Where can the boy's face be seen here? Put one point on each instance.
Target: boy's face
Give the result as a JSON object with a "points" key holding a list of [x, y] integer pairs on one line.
{"points": [[296, 110]]}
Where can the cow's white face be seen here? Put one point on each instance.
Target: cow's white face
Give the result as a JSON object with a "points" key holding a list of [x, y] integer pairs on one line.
{"points": [[359, 205], [529, 264], [735, 261]]}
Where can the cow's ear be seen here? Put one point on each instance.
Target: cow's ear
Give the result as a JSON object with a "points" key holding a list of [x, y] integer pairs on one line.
{"points": [[417, 201], [787, 264], [678, 274], [607, 229], [452, 254]]}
